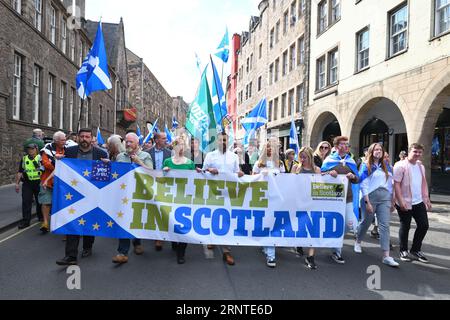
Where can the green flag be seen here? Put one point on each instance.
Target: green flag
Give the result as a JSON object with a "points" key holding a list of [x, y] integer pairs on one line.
{"points": [[201, 123]]}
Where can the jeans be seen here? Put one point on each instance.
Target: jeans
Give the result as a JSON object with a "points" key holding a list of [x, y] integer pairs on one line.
{"points": [[270, 253], [381, 201], [125, 244], [419, 213], [351, 223]]}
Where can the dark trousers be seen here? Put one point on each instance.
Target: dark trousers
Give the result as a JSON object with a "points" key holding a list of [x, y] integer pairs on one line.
{"points": [[419, 213], [72, 243], [30, 189], [125, 244], [180, 248]]}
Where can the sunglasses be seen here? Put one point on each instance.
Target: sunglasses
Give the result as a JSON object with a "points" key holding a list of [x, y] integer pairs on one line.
{"points": [[324, 148]]}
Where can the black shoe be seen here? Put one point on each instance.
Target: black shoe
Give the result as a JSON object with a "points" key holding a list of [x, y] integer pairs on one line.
{"points": [[300, 251], [86, 253], [374, 234], [404, 256], [419, 256], [337, 258], [309, 262], [67, 261], [23, 225]]}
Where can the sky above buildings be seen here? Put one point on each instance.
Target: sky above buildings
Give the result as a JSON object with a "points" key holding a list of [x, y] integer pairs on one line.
{"points": [[168, 33]]}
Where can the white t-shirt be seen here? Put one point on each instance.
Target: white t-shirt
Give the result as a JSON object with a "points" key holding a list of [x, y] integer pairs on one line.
{"points": [[227, 162], [270, 167], [416, 184]]}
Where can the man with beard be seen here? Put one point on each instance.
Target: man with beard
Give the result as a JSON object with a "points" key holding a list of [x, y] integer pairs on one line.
{"points": [[84, 151]]}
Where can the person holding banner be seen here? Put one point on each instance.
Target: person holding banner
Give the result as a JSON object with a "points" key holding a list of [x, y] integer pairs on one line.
{"points": [[222, 161], [84, 151], [179, 162], [290, 161], [341, 162], [197, 155], [377, 199], [322, 152], [307, 166], [269, 163], [133, 154]]}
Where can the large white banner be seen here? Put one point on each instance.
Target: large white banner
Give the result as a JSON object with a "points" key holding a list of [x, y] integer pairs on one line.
{"points": [[125, 201]]}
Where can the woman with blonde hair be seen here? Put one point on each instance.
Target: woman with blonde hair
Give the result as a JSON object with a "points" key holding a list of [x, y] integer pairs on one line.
{"points": [[323, 150], [307, 166], [269, 163]]}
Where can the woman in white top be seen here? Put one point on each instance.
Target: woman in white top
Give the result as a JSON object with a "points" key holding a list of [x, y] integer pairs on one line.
{"points": [[269, 163], [377, 199]]}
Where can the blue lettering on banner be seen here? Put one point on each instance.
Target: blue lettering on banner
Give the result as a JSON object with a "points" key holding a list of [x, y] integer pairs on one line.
{"points": [[241, 216], [258, 231], [307, 225], [181, 215], [282, 222], [224, 215], [330, 232], [198, 221]]}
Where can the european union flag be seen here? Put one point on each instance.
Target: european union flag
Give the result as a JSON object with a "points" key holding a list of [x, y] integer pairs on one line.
{"points": [[94, 75]]}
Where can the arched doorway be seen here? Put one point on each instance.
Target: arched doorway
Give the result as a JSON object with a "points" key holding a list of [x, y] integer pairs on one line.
{"points": [[440, 154], [379, 120], [325, 128]]}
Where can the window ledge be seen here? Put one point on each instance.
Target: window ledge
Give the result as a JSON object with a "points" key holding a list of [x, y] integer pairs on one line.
{"points": [[323, 92], [328, 27], [361, 71], [439, 36], [397, 54]]}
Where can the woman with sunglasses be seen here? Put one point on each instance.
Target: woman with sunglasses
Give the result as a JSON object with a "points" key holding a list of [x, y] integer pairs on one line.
{"points": [[323, 150]]}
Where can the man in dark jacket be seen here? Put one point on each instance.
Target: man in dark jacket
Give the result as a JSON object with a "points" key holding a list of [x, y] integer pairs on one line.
{"points": [[84, 151]]}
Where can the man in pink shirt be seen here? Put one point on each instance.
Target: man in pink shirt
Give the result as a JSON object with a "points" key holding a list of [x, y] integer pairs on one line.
{"points": [[412, 201]]}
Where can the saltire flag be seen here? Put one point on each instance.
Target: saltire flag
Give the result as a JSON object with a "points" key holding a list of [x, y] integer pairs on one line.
{"points": [[82, 204], [93, 74], [139, 134], [255, 120], [175, 123], [293, 139], [169, 134], [220, 103], [100, 140], [332, 161], [200, 121], [151, 131], [223, 50]]}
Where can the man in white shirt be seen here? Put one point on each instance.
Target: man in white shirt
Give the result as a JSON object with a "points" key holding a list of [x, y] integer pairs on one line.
{"points": [[222, 161]]}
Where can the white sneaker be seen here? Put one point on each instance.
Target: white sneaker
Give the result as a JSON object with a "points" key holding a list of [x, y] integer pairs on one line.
{"points": [[358, 248], [390, 262]]}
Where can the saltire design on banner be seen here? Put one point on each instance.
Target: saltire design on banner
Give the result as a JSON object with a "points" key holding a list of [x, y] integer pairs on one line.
{"points": [[223, 50], [220, 103], [255, 120], [100, 140], [332, 161], [200, 121], [120, 200], [293, 139], [151, 131], [93, 74]]}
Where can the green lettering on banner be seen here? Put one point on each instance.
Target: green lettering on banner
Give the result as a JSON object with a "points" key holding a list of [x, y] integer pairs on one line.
{"points": [[163, 190], [158, 217], [137, 224], [181, 197], [199, 191], [144, 186], [259, 189], [237, 198], [327, 190], [215, 194]]}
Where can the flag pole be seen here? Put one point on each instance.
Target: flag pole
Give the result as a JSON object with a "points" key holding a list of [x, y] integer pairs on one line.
{"points": [[79, 118]]}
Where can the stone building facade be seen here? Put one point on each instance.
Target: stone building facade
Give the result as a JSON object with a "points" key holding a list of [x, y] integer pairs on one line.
{"points": [[40, 55], [273, 63], [150, 98], [382, 77]]}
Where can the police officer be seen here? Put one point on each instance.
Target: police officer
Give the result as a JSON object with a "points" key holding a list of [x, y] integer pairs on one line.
{"points": [[29, 174]]}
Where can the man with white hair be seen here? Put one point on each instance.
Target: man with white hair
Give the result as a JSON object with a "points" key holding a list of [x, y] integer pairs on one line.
{"points": [[133, 154], [49, 154], [37, 139]]}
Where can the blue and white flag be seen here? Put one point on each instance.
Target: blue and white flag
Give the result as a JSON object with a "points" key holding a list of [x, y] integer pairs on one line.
{"points": [[218, 97], [175, 123], [151, 132], [139, 134], [169, 134], [223, 51], [256, 119], [100, 140], [94, 75], [293, 139]]}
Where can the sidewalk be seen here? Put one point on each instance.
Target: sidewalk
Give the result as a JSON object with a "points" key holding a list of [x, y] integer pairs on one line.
{"points": [[440, 199], [10, 207]]}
